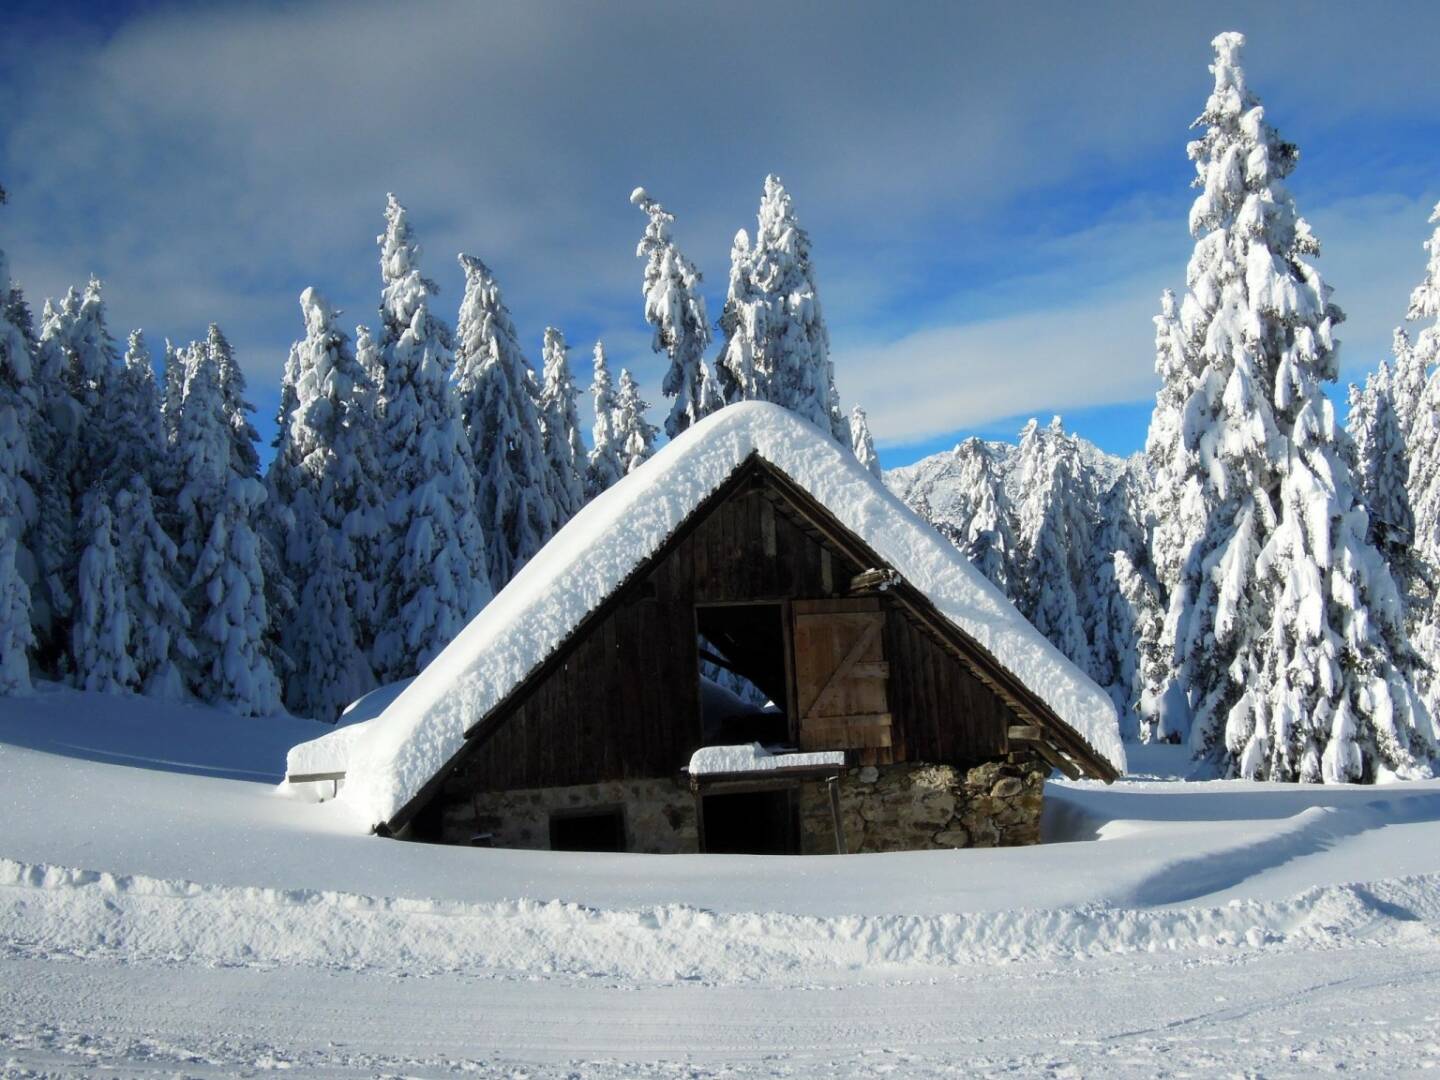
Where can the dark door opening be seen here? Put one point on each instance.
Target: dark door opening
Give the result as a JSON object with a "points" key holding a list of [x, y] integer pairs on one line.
{"points": [[750, 823], [588, 830], [744, 675]]}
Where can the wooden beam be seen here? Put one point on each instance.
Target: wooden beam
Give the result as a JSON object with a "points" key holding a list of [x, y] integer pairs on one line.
{"points": [[870, 581], [841, 848], [1057, 760], [1026, 733]]}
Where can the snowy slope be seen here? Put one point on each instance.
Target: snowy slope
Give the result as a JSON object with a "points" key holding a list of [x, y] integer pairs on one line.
{"points": [[167, 918], [397, 753]]}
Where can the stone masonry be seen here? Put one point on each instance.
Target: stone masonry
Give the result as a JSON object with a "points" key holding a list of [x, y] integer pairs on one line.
{"points": [[913, 807], [659, 814]]}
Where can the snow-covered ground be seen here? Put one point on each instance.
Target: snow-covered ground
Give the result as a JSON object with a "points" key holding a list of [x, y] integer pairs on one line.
{"points": [[164, 911]]}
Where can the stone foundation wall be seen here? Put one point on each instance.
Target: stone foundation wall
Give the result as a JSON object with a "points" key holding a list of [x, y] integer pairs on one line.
{"points": [[913, 807], [659, 814]]}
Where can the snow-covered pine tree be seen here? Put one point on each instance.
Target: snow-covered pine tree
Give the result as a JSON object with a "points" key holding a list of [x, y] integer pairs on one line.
{"points": [[1284, 625], [1122, 598], [331, 668], [100, 634], [139, 467], [975, 514], [435, 560], [280, 601], [560, 432], [325, 481], [1382, 467], [135, 420], [17, 468], [160, 645], [633, 433], [675, 307], [1131, 597], [603, 467], [54, 437], [230, 380], [776, 347], [1419, 419], [225, 593], [173, 391], [502, 425], [1056, 539], [862, 442], [75, 358], [92, 358]]}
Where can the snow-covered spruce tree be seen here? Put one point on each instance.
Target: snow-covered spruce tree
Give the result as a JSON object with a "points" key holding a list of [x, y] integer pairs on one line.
{"points": [[675, 307], [17, 469], [634, 434], [280, 599], [1056, 539], [974, 513], [73, 444], [862, 442], [225, 593], [502, 425], [173, 391], [603, 467], [92, 358], [1284, 630], [326, 477], [135, 418], [1382, 467], [139, 475], [435, 560], [776, 347], [560, 432], [1122, 600], [54, 446], [101, 631], [1419, 420]]}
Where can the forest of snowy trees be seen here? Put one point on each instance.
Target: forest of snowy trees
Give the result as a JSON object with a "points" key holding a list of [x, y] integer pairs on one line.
{"points": [[1261, 582], [144, 548]]}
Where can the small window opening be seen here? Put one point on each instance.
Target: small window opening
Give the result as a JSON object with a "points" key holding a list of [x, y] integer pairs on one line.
{"points": [[588, 830], [742, 674]]}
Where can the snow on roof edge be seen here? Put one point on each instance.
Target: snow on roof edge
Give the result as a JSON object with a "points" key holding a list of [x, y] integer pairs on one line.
{"points": [[399, 751]]}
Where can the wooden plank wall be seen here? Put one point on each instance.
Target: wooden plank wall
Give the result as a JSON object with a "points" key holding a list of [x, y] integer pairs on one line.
{"points": [[624, 703], [943, 713]]}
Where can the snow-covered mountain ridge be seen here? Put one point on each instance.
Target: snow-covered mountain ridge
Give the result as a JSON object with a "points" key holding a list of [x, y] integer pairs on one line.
{"points": [[938, 476]]}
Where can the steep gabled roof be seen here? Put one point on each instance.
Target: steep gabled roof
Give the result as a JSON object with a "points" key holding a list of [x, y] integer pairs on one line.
{"points": [[620, 532]]}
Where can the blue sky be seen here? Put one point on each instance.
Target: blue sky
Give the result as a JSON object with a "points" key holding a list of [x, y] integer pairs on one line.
{"points": [[995, 198]]}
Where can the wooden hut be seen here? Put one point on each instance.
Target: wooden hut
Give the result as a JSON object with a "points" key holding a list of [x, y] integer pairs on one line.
{"points": [[752, 588]]}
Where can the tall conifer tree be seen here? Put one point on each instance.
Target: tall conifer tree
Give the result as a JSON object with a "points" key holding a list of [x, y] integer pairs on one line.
{"points": [[502, 425], [1284, 633], [675, 307], [435, 564]]}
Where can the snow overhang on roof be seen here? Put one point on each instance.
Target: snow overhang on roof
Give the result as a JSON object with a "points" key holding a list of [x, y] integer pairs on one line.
{"points": [[397, 753]]}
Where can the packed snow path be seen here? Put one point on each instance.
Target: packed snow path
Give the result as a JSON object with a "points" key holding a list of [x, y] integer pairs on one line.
{"points": [[163, 919]]}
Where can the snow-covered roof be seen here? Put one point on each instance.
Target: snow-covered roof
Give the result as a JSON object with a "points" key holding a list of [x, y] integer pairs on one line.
{"points": [[394, 755]]}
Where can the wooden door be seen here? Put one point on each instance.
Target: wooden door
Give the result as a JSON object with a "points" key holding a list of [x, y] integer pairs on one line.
{"points": [[841, 677]]}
